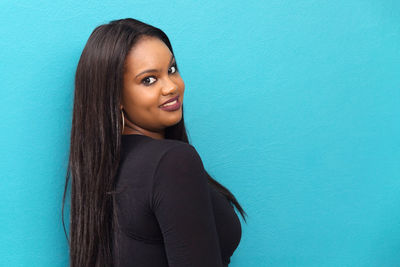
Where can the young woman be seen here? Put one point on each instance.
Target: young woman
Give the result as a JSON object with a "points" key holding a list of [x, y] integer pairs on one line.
{"points": [[140, 195]]}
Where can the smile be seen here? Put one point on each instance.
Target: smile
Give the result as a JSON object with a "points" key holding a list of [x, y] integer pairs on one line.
{"points": [[171, 106]]}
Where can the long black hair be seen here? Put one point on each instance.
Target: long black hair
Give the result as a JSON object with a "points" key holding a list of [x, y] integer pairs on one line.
{"points": [[95, 143]]}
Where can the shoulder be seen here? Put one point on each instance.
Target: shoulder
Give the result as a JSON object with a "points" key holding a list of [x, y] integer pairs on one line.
{"points": [[164, 151], [160, 156], [179, 176], [146, 149], [178, 162], [179, 152]]}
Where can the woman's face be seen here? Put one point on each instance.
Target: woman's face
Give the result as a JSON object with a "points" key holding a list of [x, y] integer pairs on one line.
{"points": [[150, 79]]}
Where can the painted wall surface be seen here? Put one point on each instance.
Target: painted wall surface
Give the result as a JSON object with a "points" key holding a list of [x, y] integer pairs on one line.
{"points": [[293, 105]]}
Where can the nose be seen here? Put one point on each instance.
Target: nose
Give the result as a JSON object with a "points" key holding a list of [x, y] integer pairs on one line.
{"points": [[170, 86]]}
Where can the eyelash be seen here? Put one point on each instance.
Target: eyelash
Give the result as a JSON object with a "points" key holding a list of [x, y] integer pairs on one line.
{"points": [[147, 84]]}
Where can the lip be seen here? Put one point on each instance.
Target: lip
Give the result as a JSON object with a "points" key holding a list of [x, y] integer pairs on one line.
{"points": [[173, 107], [170, 100]]}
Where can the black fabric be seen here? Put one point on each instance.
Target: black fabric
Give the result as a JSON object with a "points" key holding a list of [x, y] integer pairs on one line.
{"points": [[168, 213]]}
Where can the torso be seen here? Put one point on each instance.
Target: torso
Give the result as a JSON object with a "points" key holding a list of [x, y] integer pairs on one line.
{"points": [[141, 240]]}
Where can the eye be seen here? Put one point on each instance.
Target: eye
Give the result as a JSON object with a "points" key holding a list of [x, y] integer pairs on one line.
{"points": [[174, 67], [147, 79]]}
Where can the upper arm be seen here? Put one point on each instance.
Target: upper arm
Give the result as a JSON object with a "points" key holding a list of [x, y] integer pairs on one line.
{"points": [[182, 204]]}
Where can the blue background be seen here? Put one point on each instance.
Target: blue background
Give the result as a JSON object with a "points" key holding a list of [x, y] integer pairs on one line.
{"points": [[293, 105]]}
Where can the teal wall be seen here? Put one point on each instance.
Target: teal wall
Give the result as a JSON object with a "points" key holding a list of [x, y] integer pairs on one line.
{"points": [[293, 105]]}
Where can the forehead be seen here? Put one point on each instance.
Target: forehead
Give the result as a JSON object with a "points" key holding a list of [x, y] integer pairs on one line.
{"points": [[148, 52]]}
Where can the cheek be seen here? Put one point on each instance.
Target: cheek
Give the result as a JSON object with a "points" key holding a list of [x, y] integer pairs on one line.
{"points": [[181, 84], [140, 100]]}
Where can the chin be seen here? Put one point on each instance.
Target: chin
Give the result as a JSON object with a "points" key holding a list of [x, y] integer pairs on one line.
{"points": [[175, 120]]}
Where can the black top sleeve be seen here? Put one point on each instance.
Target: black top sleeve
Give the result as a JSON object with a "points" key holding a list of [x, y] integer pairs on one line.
{"points": [[181, 202]]}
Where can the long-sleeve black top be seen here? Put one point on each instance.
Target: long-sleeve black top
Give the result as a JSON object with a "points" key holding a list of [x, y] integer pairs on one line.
{"points": [[168, 214]]}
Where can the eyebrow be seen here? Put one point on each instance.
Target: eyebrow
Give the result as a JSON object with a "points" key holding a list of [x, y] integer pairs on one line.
{"points": [[155, 70]]}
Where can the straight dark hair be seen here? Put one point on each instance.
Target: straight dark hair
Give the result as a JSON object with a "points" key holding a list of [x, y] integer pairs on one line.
{"points": [[95, 143]]}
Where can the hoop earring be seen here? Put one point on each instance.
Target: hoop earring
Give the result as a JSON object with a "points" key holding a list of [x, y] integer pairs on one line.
{"points": [[123, 121]]}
